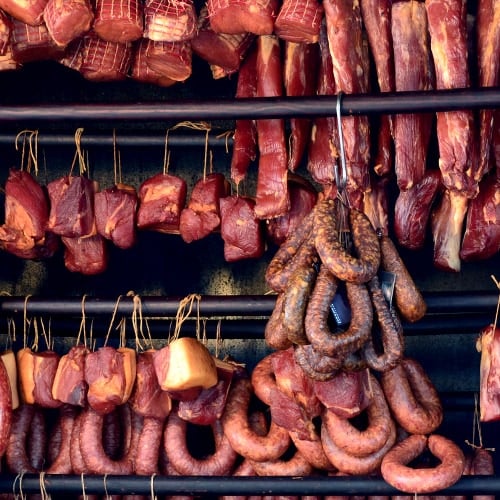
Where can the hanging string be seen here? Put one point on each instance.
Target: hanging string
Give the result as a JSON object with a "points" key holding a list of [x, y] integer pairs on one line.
{"points": [[497, 312], [82, 328], [166, 154], [183, 314], [115, 309], [25, 321], [79, 153]]}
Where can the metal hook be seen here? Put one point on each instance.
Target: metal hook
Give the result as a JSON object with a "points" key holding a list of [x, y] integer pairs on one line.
{"points": [[340, 178]]}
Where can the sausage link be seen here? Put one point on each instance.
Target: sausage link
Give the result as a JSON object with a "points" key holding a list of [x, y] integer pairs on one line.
{"points": [[482, 465], [412, 397], [297, 465], [16, 453], [77, 463], [62, 462], [5, 409], [37, 439], [361, 443], [346, 267], [408, 298], [312, 451], [391, 332], [315, 365], [220, 463], [275, 334], [397, 473], [148, 446], [242, 438]]}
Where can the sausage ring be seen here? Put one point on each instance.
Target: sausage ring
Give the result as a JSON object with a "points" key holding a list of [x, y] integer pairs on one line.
{"points": [[275, 334], [16, 453], [333, 255], [312, 451], [148, 446], [5, 409], [316, 365], [62, 461], [397, 473], [297, 465], [243, 439], [361, 443], [412, 397]]}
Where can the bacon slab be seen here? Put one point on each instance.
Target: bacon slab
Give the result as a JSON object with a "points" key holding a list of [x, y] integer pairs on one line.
{"points": [[119, 21], [169, 20], [299, 21], [272, 197]]}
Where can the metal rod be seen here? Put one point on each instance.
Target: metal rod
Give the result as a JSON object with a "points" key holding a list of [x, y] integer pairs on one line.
{"points": [[262, 107], [202, 485]]}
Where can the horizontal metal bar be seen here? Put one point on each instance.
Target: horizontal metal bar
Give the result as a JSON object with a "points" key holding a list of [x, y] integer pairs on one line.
{"points": [[201, 485], [262, 107]]}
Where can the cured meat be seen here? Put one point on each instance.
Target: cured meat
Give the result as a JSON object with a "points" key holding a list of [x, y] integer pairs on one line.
{"points": [[161, 200], [33, 43], [299, 21], [104, 61], [272, 198], [240, 229], [412, 58], [73, 55], [169, 20], [172, 60], [86, 255], [482, 230], [488, 344], [323, 144], [67, 20], [72, 206], [5, 29], [220, 49], [350, 68], [7, 61], [115, 214], [245, 134], [118, 21], [413, 208], [376, 205], [140, 70], [301, 66], [202, 215], [488, 50], [29, 12]]}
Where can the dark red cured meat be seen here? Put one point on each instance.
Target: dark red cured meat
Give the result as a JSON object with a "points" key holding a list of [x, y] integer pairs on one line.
{"points": [[30, 12], [240, 229], [481, 239], [272, 197], [148, 447], [376, 203], [300, 70], [202, 216], [299, 21], [140, 70], [5, 29], [119, 21], [115, 214], [161, 200], [411, 132], [245, 134], [488, 344], [44, 370], [86, 255], [413, 208], [71, 206], [66, 21], [170, 59], [169, 20], [5, 409]]}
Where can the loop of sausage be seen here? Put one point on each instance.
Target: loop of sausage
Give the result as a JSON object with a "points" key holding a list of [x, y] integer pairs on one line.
{"points": [[5, 409], [362, 443], [338, 345], [92, 450], [62, 462], [341, 264], [316, 365], [243, 439], [290, 254], [408, 298], [349, 464], [16, 453], [148, 446], [275, 334], [220, 463], [263, 380], [77, 463], [297, 465], [312, 451], [391, 332], [37, 439], [412, 397], [397, 473]]}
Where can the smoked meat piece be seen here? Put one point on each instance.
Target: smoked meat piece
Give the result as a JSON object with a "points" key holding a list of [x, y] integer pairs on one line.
{"points": [[5, 30], [86, 255], [29, 12], [240, 229], [299, 21], [140, 70], [488, 344], [169, 20], [172, 60], [118, 21]]}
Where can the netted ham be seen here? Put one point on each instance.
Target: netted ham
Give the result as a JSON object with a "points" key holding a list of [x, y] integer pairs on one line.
{"points": [[299, 21], [140, 70], [5, 29], [72, 206], [482, 229], [413, 71], [245, 134], [115, 213], [220, 49], [73, 55], [27, 11], [7, 61], [119, 21], [104, 61], [169, 20], [240, 229], [323, 146], [67, 20], [33, 43], [172, 60], [161, 200], [272, 197], [243, 16], [488, 344], [87, 255], [202, 214]]}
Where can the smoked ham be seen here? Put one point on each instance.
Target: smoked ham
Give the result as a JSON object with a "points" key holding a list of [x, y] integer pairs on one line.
{"points": [[140, 70], [85, 255], [172, 60], [488, 344], [169, 20], [119, 21], [5, 29], [299, 21], [29, 11]]}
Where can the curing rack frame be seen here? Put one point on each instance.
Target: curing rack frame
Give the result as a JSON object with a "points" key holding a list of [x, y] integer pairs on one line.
{"points": [[462, 310]]}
